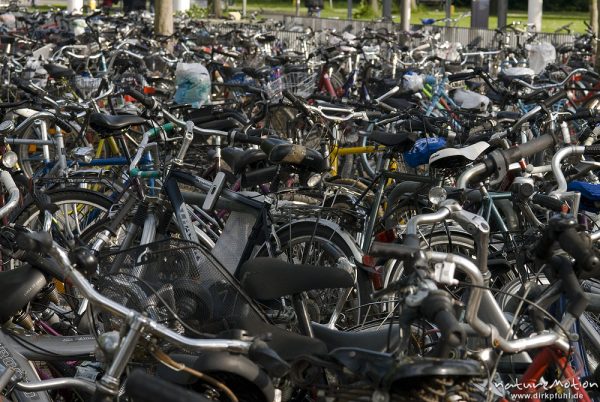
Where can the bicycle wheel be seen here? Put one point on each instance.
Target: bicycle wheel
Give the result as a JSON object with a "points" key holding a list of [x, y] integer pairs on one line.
{"points": [[317, 244], [78, 210]]}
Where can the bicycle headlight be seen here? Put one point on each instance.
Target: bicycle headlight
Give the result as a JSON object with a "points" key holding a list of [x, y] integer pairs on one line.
{"points": [[313, 180], [437, 195], [9, 159]]}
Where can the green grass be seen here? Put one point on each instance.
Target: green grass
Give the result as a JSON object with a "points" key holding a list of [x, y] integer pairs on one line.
{"points": [[551, 20]]}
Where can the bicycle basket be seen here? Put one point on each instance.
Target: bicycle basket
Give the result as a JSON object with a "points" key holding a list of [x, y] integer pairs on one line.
{"points": [[300, 83], [177, 283], [87, 85]]}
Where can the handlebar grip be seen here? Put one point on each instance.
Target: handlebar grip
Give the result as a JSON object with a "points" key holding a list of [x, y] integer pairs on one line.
{"points": [[26, 86], [392, 250], [547, 202], [246, 139], [577, 299], [580, 248], [592, 150], [295, 101], [148, 388], [461, 76], [437, 307], [148, 101]]}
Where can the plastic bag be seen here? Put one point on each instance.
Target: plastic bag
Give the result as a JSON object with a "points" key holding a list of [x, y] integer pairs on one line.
{"points": [[193, 84], [412, 82], [8, 22], [471, 100], [518, 72], [449, 51], [422, 150], [540, 55]]}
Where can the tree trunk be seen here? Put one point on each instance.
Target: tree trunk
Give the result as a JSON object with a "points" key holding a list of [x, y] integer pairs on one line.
{"points": [[375, 6], [594, 15], [218, 11], [163, 17], [413, 5]]}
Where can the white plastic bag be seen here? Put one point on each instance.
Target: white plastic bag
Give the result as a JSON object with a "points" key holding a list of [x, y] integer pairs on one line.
{"points": [[8, 21], [518, 72], [193, 84], [540, 55], [449, 51], [412, 82], [471, 100]]}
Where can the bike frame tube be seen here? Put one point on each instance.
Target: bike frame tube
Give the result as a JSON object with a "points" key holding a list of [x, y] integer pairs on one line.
{"points": [[543, 360]]}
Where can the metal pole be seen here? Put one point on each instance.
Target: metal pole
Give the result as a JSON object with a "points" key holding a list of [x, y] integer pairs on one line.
{"points": [[349, 9], [534, 13], [502, 13], [448, 9], [405, 15], [297, 8], [244, 8], [480, 13], [387, 10]]}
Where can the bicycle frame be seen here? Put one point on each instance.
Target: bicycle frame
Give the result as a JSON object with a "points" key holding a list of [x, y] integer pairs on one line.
{"points": [[545, 359]]}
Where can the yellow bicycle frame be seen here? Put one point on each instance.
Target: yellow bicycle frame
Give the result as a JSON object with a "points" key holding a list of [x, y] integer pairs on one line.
{"points": [[337, 151]]}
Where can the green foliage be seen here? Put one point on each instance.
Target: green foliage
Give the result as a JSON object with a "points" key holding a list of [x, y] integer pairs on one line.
{"points": [[196, 12], [364, 10]]}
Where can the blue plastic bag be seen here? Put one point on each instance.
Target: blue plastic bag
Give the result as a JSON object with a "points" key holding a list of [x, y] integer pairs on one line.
{"points": [[422, 150], [193, 84]]}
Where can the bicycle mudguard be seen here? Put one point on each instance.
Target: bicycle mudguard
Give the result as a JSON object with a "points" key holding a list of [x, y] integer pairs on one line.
{"points": [[333, 227], [226, 364]]}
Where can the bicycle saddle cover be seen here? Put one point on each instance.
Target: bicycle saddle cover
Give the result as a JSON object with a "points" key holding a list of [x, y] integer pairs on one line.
{"points": [[423, 148], [18, 286], [590, 194], [457, 157]]}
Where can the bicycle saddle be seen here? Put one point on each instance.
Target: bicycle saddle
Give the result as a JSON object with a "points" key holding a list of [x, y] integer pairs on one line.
{"points": [[19, 286], [402, 141], [108, 124], [221, 125], [376, 340], [236, 159], [282, 152], [56, 71], [457, 157]]}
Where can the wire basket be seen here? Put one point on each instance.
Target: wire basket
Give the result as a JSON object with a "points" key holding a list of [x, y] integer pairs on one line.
{"points": [[176, 283], [87, 85], [299, 83]]}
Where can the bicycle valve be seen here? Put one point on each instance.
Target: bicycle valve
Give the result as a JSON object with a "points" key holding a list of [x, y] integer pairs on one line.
{"points": [[187, 140]]}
